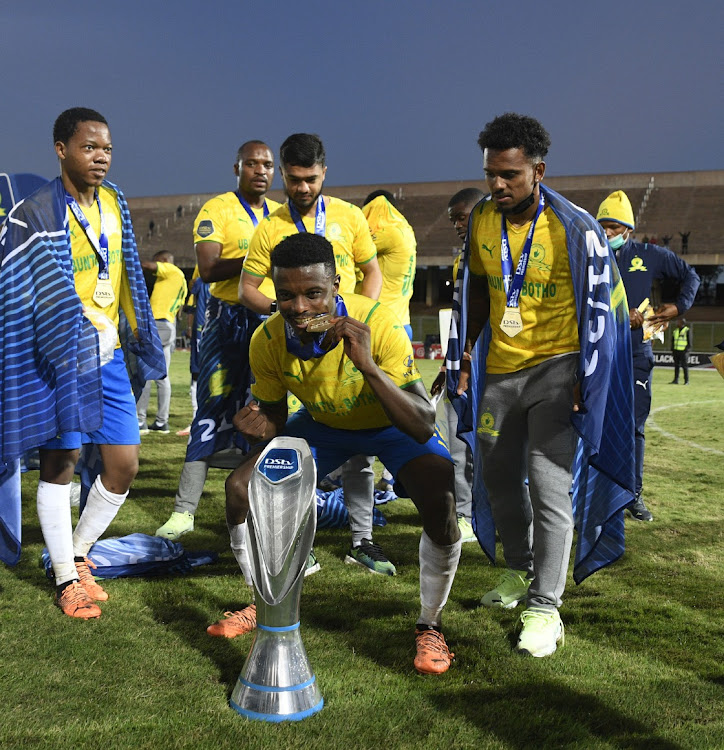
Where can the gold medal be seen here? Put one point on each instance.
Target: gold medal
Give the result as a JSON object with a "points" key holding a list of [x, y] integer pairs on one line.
{"points": [[512, 323], [103, 295]]}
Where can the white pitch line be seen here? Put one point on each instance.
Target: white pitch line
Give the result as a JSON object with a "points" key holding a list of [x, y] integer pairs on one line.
{"points": [[651, 422]]}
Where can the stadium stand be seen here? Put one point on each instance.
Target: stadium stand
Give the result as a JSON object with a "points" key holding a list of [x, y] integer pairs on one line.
{"points": [[666, 204]]}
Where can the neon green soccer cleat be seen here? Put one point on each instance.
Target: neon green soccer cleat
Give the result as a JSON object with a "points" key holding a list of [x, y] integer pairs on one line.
{"points": [[371, 558], [176, 526], [541, 632], [512, 587]]}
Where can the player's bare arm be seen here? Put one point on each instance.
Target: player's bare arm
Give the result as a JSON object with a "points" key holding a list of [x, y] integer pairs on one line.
{"points": [[478, 314], [408, 409], [251, 297], [372, 282], [212, 267], [261, 422]]}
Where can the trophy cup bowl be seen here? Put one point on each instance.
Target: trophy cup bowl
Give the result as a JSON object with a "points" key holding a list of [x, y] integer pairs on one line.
{"points": [[277, 683]]}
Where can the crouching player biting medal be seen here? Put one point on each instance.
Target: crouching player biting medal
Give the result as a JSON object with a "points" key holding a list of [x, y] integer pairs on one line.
{"points": [[362, 394]]}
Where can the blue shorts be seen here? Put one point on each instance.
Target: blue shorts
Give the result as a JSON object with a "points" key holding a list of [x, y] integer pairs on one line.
{"points": [[120, 423], [331, 447]]}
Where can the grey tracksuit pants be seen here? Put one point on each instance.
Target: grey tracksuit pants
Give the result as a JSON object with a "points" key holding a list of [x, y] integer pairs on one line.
{"points": [[524, 431]]}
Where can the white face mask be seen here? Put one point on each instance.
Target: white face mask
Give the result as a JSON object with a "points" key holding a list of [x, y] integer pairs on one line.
{"points": [[617, 241]]}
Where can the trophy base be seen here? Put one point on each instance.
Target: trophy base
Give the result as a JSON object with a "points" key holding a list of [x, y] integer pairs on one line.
{"points": [[277, 683], [276, 717]]}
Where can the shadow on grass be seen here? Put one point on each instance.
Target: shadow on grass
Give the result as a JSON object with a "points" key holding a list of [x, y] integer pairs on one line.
{"points": [[228, 655], [338, 607], [547, 714]]}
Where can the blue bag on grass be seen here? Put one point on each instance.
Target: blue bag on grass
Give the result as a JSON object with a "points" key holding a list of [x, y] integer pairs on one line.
{"points": [[139, 555]]}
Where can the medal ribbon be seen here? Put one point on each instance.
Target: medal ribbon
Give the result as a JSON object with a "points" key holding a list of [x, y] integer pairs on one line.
{"points": [[320, 217], [513, 283], [313, 348], [250, 211], [100, 245]]}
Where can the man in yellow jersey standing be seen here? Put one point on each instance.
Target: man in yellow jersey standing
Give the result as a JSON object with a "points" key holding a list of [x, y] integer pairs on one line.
{"points": [[167, 298], [362, 394], [222, 235], [303, 166], [530, 282], [68, 254]]}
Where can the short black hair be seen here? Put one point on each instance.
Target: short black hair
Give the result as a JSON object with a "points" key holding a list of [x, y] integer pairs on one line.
{"points": [[163, 254], [253, 142], [67, 122], [304, 249], [468, 196], [377, 193], [302, 150], [516, 131]]}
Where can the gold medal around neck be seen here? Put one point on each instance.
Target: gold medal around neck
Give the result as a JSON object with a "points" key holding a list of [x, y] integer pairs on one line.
{"points": [[512, 323], [103, 295]]}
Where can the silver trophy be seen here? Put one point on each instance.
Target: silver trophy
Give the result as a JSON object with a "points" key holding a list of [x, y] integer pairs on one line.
{"points": [[277, 683]]}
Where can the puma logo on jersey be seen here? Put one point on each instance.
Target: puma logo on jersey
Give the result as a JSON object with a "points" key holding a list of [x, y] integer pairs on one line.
{"points": [[643, 383]]}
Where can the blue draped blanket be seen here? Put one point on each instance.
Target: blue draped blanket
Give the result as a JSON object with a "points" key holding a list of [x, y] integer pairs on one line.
{"points": [[603, 469]]}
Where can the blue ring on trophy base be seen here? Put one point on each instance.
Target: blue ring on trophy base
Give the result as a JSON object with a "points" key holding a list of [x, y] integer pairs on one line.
{"points": [[277, 683]]}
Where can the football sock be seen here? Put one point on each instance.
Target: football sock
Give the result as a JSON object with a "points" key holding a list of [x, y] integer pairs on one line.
{"points": [[237, 533], [60, 588], [100, 509], [57, 527], [438, 564], [194, 398]]}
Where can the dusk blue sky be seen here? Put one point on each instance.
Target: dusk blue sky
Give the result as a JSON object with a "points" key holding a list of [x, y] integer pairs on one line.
{"points": [[398, 91]]}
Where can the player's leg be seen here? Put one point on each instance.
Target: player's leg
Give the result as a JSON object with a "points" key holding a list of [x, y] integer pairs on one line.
{"points": [[188, 495], [241, 621], [548, 396], [502, 439], [552, 443], [118, 440], [358, 479], [108, 493], [463, 459], [642, 372], [105, 498], [167, 333], [222, 365], [57, 465], [425, 473], [142, 407]]}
